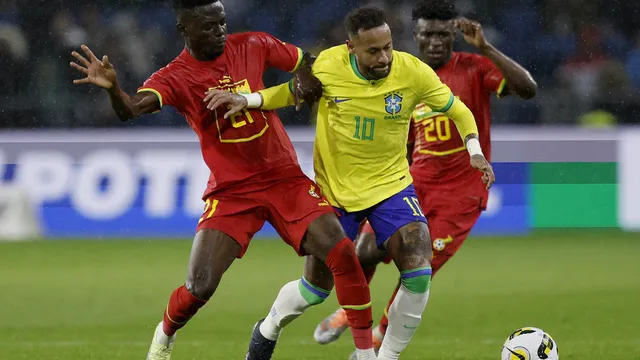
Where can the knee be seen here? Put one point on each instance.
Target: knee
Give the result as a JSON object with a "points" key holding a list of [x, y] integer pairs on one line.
{"points": [[368, 252], [416, 238], [428, 253], [202, 284], [411, 248]]}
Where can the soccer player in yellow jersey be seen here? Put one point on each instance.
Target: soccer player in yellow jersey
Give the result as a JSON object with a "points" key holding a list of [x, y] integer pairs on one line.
{"points": [[360, 159], [451, 193]]}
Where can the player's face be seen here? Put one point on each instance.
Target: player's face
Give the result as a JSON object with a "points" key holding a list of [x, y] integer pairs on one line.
{"points": [[374, 51], [204, 29], [435, 40]]}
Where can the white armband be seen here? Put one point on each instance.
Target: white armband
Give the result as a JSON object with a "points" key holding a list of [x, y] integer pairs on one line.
{"points": [[254, 100], [473, 147]]}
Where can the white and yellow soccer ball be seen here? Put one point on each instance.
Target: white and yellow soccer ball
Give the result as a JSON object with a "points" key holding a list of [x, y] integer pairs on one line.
{"points": [[530, 343]]}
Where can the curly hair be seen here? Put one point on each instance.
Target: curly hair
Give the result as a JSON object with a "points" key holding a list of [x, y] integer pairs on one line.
{"points": [[364, 18]]}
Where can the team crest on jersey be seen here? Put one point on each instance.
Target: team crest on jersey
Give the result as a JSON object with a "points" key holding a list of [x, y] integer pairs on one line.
{"points": [[313, 192], [393, 103], [440, 244]]}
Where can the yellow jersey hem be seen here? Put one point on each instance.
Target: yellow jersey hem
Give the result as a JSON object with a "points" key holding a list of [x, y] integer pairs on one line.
{"points": [[380, 197]]}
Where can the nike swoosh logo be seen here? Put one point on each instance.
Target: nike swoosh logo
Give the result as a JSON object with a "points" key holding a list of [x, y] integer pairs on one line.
{"points": [[337, 101], [521, 357], [410, 327]]}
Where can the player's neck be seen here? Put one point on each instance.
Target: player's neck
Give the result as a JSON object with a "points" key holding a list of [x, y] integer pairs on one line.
{"points": [[440, 66], [200, 56]]}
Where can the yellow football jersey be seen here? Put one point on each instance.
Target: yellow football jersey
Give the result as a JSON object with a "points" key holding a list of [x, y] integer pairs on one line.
{"points": [[362, 126]]}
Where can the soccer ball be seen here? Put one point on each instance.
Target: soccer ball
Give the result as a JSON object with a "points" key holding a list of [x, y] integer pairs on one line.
{"points": [[530, 343]]}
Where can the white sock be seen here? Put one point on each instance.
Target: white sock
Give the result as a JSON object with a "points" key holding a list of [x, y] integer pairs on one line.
{"points": [[294, 298], [405, 314], [367, 354], [161, 337]]}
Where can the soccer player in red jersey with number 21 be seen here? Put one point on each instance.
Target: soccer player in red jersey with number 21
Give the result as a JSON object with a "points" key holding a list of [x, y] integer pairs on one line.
{"points": [[451, 193], [255, 176]]}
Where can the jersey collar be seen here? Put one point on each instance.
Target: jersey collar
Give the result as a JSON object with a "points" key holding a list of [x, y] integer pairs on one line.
{"points": [[186, 55], [354, 67]]}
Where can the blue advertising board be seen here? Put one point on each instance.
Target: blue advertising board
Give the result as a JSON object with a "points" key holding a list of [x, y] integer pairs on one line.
{"points": [[508, 208], [108, 192]]}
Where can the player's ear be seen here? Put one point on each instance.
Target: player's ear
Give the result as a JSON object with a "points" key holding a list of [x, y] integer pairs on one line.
{"points": [[350, 47], [181, 29]]}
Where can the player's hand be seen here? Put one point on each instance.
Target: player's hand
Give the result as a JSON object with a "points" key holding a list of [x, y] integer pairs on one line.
{"points": [[472, 31], [100, 73], [479, 162], [307, 87], [217, 98]]}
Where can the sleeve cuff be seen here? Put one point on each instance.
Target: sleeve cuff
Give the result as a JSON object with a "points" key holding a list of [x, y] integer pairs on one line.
{"points": [[299, 62], [448, 106], [153, 91], [501, 88]]}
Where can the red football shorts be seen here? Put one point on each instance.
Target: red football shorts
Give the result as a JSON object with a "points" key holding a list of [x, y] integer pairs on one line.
{"points": [[290, 205], [450, 218]]}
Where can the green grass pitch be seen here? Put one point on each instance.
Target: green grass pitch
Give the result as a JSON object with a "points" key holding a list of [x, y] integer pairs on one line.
{"points": [[100, 300]]}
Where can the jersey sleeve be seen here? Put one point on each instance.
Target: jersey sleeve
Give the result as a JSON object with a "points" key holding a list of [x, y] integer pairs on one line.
{"points": [[279, 54], [430, 89], [463, 119], [320, 65], [492, 79], [277, 97], [159, 84]]}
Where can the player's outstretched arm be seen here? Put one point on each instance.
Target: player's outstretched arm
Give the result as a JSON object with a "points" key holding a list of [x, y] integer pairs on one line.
{"points": [[465, 123], [101, 73], [518, 80]]}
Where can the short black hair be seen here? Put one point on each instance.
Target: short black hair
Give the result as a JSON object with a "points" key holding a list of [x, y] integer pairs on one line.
{"points": [[363, 19], [189, 4], [434, 10]]}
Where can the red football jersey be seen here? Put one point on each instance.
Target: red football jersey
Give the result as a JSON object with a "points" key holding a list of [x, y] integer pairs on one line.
{"points": [[440, 158], [251, 146]]}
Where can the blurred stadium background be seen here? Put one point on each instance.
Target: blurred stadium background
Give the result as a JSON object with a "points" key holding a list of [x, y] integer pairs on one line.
{"points": [[558, 247]]}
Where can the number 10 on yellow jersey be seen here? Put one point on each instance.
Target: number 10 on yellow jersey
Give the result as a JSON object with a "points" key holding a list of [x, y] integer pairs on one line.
{"points": [[364, 128]]}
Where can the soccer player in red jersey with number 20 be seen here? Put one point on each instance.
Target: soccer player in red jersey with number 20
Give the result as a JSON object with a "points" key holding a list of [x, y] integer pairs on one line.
{"points": [[255, 176], [451, 193]]}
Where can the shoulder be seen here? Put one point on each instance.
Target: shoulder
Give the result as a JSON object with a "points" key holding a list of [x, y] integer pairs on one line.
{"points": [[408, 63], [412, 71], [331, 62], [338, 53], [405, 58], [250, 38]]}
